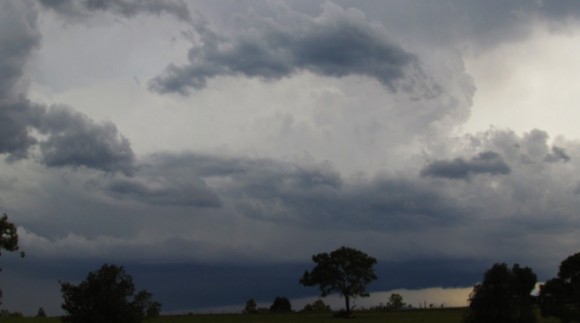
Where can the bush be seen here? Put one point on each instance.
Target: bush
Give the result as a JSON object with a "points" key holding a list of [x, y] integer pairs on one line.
{"points": [[281, 304], [107, 295], [317, 306]]}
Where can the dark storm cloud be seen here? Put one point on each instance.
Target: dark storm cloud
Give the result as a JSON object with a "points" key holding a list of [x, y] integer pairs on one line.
{"points": [[337, 43], [68, 138], [274, 191], [15, 137], [192, 193], [127, 8], [76, 140], [487, 162]]}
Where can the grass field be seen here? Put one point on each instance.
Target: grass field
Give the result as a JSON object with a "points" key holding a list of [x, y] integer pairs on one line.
{"points": [[418, 316]]}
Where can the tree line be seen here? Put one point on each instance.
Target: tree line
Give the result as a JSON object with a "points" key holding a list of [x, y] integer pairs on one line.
{"points": [[504, 295]]}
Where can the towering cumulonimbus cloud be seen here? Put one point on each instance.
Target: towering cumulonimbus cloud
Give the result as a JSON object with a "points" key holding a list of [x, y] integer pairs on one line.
{"points": [[336, 43]]}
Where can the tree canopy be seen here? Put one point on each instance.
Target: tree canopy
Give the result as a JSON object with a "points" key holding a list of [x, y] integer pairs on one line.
{"points": [[107, 295], [346, 271], [317, 306], [560, 297], [8, 237], [503, 296], [281, 304], [395, 302], [251, 306]]}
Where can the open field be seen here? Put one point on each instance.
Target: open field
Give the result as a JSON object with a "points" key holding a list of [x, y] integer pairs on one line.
{"points": [[418, 316]]}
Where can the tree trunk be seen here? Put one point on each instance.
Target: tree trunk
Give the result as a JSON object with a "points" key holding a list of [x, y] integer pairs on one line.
{"points": [[347, 301]]}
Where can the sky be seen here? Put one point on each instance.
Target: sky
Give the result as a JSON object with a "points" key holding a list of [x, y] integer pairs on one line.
{"points": [[212, 147]]}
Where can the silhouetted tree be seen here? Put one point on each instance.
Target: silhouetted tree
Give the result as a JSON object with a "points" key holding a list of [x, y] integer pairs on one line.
{"points": [[8, 235], [317, 306], [281, 304], [503, 296], [107, 295], [395, 302], [8, 238], [560, 297], [345, 270], [251, 307], [41, 313]]}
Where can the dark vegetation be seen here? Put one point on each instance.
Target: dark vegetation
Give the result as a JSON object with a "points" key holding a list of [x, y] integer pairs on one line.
{"points": [[107, 295], [504, 295], [560, 297], [8, 239], [345, 270]]}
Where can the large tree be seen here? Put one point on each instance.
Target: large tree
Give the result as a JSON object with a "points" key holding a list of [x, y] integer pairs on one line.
{"points": [[107, 295], [346, 271], [560, 296], [8, 237], [281, 304], [503, 296], [395, 302]]}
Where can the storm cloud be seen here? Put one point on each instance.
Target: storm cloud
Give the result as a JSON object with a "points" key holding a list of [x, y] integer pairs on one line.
{"points": [[336, 43], [67, 137], [487, 162], [84, 8], [159, 191], [314, 125]]}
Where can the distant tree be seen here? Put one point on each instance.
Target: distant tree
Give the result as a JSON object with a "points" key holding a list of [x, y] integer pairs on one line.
{"points": [[8, 238], [41, 313], [560, 297], [345, 270], [317, 306], [251, 307], [8, 235], [107, 295], [395, 302], [503, 296], [281, 304], [7, 313]]}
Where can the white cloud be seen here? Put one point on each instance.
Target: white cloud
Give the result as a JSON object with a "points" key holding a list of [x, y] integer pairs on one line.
{"points": [[528, 84]]}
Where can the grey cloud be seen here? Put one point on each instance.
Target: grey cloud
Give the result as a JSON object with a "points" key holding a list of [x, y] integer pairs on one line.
{"points": [[15, 137], [531, 148], [18, 38], [161, 192], [336, 43], [68, 138], [558, 154], [487, 162], [76, 140], [127, 8], [282, 192]]}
